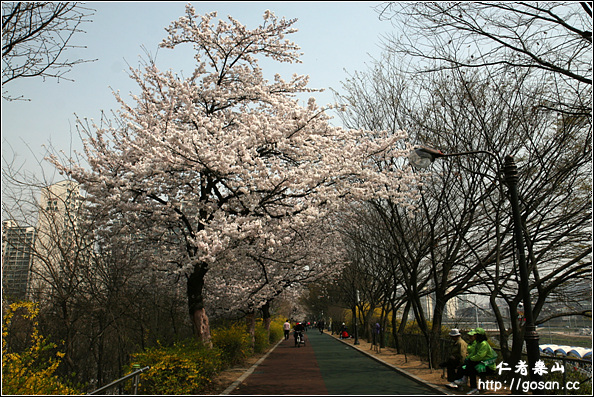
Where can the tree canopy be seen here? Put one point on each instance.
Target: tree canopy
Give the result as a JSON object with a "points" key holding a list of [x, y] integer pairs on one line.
{"points": [[223, 168]]}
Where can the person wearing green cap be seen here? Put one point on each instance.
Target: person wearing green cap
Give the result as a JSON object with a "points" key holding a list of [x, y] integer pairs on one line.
{"points": [[481, 360]]}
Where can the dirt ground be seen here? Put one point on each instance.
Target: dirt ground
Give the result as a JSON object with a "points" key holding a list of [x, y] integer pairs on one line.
{"points": [[410, 364], [228, 376]]}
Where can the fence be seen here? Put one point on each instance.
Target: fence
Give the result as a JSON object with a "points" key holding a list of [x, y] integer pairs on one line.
{"points": [[135, 375]]}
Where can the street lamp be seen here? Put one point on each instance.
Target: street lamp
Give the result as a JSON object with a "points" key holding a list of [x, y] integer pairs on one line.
{"points": [[422, 158], [355, 316]]}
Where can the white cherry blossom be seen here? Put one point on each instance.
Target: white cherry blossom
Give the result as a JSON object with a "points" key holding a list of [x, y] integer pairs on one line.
{"points": [[228, 174]]}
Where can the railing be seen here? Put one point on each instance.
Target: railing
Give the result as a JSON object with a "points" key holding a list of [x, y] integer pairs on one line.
{"points": [[135, 375]]}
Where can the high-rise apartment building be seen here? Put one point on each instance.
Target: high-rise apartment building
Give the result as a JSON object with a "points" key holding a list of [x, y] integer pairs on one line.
{"points": [[56, 235], [17, 244]]}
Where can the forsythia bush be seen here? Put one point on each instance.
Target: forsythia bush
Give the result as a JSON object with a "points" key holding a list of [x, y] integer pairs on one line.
{"points": [[31, 371], [188, 367], [276, 329], [233, 342], [185, 368], [262, 341]]}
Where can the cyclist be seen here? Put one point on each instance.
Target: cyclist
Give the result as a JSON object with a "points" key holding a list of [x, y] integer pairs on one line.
{"points": [[298, 331]]}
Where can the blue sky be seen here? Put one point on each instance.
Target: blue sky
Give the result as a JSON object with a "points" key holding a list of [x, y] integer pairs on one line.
{"points": [[334, 37]]}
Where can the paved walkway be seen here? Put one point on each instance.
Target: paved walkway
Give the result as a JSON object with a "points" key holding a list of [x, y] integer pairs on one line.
{"points": [[323, 366]]}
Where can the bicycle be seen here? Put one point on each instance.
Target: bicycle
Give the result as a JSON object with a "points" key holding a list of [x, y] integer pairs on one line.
{"points": [[299, 338]]}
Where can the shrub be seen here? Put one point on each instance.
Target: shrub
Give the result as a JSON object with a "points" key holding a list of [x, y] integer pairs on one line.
{"points": [[276, 329], [184, 368], [31, 371], [262, 340], [233, 342]]}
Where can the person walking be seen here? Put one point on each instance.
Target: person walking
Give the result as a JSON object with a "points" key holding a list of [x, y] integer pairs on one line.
{"points": [[287, 328], [481, 360], [456, 356], [321, 326]]}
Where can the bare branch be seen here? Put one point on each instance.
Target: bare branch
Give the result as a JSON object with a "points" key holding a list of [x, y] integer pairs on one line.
{"points": [[35, 36]]}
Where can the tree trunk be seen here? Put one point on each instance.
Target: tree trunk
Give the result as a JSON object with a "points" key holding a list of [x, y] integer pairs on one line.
{"points": [[354, 330], [251, 327], [382, 323], [68, 343], [99, 347], [422, 322], [436, 352], [395, 330], [398, 332], [503, 331], [516, 352], [198, 316], [365, 322], [267, 319]]}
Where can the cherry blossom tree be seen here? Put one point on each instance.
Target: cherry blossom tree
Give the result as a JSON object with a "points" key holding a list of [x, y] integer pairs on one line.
{"points": [[222, 164], [296, 259], [266, 269]]}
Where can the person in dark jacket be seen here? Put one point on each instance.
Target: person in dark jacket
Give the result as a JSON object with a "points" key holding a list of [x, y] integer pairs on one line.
{"points": [[456, 356], [321, 326], [298, 329]]}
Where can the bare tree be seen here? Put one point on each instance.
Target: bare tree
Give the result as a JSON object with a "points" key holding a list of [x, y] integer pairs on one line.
{"points": [[465, 208], [427, 247], [94, 299], [366, 246], [552, 38], [35, 36]]}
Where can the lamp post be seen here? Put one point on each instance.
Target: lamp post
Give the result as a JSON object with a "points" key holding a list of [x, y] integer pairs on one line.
{"points": [[356, 342], [422, 158], [510, 172]]}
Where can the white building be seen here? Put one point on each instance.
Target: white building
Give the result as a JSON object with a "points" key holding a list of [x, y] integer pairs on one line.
{"points": [[452, 307], [58, 239]]}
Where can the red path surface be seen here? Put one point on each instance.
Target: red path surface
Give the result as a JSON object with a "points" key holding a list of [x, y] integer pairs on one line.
{"points": [[324, 366], [287, 370]]}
